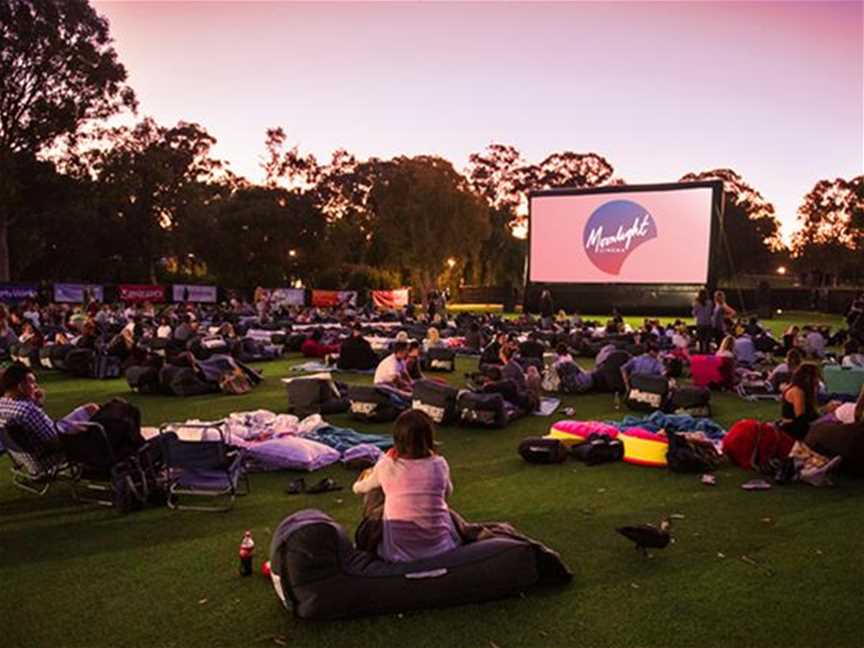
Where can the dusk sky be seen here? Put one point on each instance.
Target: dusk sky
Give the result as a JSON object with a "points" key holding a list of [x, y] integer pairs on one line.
{"points": [[774, 90]]}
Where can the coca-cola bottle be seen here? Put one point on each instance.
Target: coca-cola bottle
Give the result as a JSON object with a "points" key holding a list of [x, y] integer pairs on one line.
{"points": [[247, 550]]}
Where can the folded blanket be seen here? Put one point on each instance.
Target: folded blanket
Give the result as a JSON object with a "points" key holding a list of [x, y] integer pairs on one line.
{"points": [[672, 422], [343, 439]]}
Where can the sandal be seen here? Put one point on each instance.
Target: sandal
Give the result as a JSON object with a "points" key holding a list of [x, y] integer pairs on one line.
{"points": [[296, 487], [326, 485]]}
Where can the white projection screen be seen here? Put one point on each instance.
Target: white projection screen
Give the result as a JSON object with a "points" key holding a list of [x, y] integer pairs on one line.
{"points": [[647, 234]]}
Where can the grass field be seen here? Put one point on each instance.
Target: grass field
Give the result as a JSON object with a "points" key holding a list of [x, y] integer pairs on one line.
{"points": [[777, 568]]}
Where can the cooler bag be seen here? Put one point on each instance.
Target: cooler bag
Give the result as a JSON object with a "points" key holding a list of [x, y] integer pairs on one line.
{"points": [[647, 393], [486, 410], [440, 359], [435, 399], [368, 403], [695, 401], [541, 450]]}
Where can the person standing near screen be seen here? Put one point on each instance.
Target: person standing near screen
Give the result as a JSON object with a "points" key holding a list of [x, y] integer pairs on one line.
{"points": [[703, 311], [722, 312]]}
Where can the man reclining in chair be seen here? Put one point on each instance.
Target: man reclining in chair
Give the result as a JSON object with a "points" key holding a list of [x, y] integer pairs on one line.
{"points": [[21, 405]]}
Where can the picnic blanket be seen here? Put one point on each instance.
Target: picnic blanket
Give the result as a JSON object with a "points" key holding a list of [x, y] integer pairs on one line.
{"points": [[282, 441]]}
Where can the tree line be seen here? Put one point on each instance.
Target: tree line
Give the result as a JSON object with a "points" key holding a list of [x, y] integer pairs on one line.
{"points": [[86, 201]]}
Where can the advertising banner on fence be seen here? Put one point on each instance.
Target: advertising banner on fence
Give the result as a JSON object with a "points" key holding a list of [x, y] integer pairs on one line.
{"points": [[288, 297], [141, 293], [12, 292], [72, 293], [390, 299], [190, 293], [330, 298]]}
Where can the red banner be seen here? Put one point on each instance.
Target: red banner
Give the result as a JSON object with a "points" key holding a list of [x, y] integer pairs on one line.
{"points": [[390, 299], [141, 293], [331, 298]]}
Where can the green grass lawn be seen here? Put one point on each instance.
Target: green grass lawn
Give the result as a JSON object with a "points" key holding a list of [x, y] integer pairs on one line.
{"points": [[776, 568]]}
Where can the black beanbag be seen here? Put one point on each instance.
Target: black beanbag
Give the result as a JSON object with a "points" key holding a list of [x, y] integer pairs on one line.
{"points": [[839, 440], [318, 572]]}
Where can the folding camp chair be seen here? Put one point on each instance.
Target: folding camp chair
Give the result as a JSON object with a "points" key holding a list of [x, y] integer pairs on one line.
{"points": [[34, 467], [202, 468]]}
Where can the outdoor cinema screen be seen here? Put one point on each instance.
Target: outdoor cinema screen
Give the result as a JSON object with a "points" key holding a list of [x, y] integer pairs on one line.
{"points": [[655, 234]]}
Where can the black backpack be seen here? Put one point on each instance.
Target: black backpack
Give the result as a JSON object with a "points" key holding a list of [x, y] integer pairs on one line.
{"points": [[440, 359], [689, 456], [647, 393], [540, 450], [695, 401], [143, 379], [314, 396], [369, 403], [436, 399], [485, 410], [597, 449]]}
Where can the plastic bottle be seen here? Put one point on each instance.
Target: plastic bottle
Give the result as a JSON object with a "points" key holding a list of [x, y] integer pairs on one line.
{"points": [[247, 550], [617, 401]]}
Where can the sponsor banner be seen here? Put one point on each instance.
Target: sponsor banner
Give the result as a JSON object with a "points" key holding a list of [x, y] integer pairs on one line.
{"points": [[14, 292], [191, 293], [141, 293], [288, 297], [330, 298], [390, 299], [73, 293]]}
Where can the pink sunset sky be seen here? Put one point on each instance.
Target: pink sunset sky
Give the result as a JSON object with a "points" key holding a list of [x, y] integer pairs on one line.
{"points": [[774, 90]]}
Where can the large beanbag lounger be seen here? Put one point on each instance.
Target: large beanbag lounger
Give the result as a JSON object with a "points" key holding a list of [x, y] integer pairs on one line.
{"points": [[843, 380], [644, 448], [711, 371], [750, 439], [572, 433], [834, 439], [317, 571]]}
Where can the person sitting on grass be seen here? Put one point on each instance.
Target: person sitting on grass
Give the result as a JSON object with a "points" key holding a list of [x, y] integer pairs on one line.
{"points": [[356, 352], [647, 364], [849, 413], [852, 356], [406, 514], [313, 347], [798, 406], [392, 372], [412, 362], [22, 405], [814, 343], [433, 340], [780, 375]]}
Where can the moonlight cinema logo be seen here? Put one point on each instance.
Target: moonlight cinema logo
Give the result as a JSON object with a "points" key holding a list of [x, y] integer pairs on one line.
{"points": [[615, 229]]}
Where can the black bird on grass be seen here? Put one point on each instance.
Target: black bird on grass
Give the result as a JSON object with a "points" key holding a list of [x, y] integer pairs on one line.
{"points": [[648, 536]]}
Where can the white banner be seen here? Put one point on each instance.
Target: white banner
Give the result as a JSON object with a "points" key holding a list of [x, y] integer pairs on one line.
{"points": [[190, 293], [77, 293], [288, 297]]}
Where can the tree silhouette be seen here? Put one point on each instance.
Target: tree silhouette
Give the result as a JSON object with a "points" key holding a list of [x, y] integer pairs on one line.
{"points": [[58, 71], [751, 234], [151, 178], [831, 237]]}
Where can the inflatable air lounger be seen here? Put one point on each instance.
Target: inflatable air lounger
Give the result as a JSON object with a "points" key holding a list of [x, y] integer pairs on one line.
{"points": [[317, 571]]}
